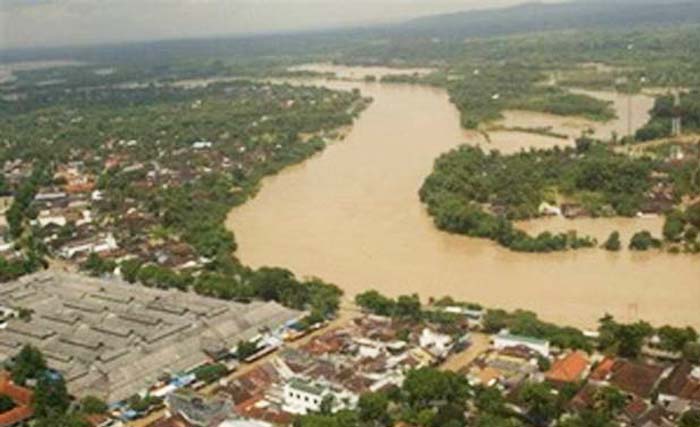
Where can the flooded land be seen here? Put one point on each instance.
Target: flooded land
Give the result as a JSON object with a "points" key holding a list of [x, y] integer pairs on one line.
{"points": [[352, 216]]}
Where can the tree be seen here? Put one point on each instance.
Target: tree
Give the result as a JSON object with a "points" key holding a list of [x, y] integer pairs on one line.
{"points": [[690, 419], [675, 339], [450, 415], [426, 386], [691, 351], [643, 241], [6, 403], [65, 420], [50, 395], [674, 226], [93, 405], [541, 402], [613, 243], [375, 303], [625, 340], [246, 349], [373, 408], [408, 307], [210, 372], [692, 214], [608, 401], [327, 404], [339, 419], [29, 364], [489, 400], [493, 420], [129, 270]]}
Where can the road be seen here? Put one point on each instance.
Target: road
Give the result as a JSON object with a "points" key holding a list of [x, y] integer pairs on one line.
{"points": [[457, 362]]}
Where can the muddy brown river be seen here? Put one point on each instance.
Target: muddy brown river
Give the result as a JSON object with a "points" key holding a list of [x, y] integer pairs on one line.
{"points": [[351, 215]]}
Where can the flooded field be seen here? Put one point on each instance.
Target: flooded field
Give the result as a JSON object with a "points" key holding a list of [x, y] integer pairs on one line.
{"points": [[632, 113], [352, 216], [343, 72]]}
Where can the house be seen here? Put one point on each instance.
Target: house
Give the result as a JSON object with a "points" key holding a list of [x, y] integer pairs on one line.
{"points": [[602, 371], [197, 411], [200, 145], [21, 397], [682, 384], [49, 217], [548, 210], [573, 210], [97, 244], [504, 340], [302, 396], [437, 344], [568, 369], [637, 378], [50, 196]]}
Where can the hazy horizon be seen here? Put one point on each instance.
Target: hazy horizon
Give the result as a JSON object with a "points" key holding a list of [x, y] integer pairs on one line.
{"points": [[48, 23]]}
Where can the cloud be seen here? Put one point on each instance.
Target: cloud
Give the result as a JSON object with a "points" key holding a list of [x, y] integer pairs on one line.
{"points": [[26, 23]]}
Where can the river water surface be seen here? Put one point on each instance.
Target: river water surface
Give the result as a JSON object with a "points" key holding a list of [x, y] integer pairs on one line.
{"points": [[351, 215]]}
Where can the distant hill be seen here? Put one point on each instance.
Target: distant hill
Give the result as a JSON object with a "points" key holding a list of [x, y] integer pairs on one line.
{"points": [[535, 17]]}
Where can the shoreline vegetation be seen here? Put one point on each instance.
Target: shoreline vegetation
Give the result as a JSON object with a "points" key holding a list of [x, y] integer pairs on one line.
{"points": [[162, 167], [479, 194], [610, 336], [70, 115]]}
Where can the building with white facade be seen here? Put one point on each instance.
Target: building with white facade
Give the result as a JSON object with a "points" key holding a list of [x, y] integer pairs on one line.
{"points": [[302, 396], [505, 339]]}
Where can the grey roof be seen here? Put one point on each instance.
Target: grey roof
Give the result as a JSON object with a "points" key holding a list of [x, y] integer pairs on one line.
{"points": [[115, 339]]}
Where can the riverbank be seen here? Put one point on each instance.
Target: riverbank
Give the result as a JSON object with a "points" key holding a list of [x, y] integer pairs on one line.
{"points": [[351, 215]]}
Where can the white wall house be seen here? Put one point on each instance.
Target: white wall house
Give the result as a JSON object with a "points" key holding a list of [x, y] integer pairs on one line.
{"points": [[47, 217], [302, 396], [504, 340], [437, 344], [97, 245]]}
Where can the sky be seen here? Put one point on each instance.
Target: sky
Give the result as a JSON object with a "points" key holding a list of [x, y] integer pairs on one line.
{"points": [[34, 23]]}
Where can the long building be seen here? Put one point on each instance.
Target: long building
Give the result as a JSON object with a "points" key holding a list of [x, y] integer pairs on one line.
{"points": [[112, 339]]}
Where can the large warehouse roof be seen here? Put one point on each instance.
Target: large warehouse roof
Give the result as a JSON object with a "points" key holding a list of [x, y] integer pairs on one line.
{"points": [[112, 339]]}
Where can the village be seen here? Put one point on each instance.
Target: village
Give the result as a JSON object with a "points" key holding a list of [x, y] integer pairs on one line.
{"points": [[159, 200], [373, 354]]}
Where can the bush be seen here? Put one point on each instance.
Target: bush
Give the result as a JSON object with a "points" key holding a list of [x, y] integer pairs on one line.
{"points": [[643, 241], [613, 243], [210, 372]]}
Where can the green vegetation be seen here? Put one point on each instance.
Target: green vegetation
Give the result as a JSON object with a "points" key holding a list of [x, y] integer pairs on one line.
{"points": [[475, 193], [93, 405], [643, 241], [405, 306], [181, 195], [143, 405], [625, 340], [6, 403], [690, 419], [485, 91], [659, 126], [613, 243], [681, 229], [210, 372], [245, 349], [527, 323], [27, 365]]}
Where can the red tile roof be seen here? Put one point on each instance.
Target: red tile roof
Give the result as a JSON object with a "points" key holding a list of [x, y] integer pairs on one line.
{"points": [[681, 383], [568, 369], [635, 409], [22, 397], [636, 378], [603, 371]]}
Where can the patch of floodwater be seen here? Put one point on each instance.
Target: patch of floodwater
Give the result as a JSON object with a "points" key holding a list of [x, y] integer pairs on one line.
{"points": [[357, 73], [351, 215]]}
